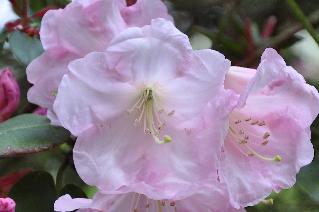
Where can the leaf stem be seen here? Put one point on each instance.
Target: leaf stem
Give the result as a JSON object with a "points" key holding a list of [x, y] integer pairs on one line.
{"points": [[303, 19], [60, 174]]}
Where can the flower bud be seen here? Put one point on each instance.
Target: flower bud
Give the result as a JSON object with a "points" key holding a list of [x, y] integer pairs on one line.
{"points": [[9, 94], [40, 111], [7, 205]]}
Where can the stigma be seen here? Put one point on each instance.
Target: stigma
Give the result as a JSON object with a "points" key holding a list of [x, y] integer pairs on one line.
{"points": [[244, 129], [148, 114]]}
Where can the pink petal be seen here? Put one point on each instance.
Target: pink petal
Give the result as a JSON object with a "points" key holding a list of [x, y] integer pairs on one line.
{"points": [[284, 106], [82, 26], [143, 11], [66, 203]]}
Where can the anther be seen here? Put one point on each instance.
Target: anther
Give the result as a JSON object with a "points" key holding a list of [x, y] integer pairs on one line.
{"points": [[254, 122], [265, 142], [266, 135], [262, 123], [237, 122], [248, 119], [243, 141], [163, 202], [277, 158], [171, 113], [167, 138], [172, 204], [54, 93]]}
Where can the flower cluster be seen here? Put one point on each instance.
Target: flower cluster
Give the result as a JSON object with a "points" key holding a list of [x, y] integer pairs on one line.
{"points": [[159, 126]]}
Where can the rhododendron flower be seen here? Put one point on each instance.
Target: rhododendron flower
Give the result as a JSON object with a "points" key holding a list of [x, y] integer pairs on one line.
{"points": [[9, 94], [80, 28], [269, 133], [213, 200], [7, 205], [138, 111]]}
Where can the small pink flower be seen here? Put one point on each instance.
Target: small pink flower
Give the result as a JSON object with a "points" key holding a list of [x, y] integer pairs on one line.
{"points": [[7, 205], [78, 29], [138, 111], [9, 94], [269, 132], [212, 200]]}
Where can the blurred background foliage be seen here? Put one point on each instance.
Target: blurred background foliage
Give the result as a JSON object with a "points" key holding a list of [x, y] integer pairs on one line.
{"points": [[240, 29]]}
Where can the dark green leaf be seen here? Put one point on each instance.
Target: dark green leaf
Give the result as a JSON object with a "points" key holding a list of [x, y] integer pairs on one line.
{"points": [[73, 190], [29, 133], [24, 48], [34, 192]]}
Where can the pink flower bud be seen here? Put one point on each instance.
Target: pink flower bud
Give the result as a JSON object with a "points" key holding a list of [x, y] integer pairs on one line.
{"points": [[7, 205], [40, 111], [9, 94]]}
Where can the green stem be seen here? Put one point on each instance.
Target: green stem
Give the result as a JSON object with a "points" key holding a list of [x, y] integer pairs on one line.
{"points": [[303, 19], [60, 174]]}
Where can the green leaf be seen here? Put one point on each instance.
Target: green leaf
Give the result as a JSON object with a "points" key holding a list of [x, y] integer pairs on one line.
{"points": [[24, 48], [29, 133], [34, 192], [306, 180], [73, 190]]}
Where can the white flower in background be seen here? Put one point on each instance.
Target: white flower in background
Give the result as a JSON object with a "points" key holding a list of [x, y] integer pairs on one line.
{"points": [[6, 13]]}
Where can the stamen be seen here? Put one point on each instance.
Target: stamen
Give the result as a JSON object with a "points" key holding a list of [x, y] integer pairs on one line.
{"points": [[277, 158], [136, 203], [146, 109], [242, 138], [54, 93], [159, 206], [147, 206]]}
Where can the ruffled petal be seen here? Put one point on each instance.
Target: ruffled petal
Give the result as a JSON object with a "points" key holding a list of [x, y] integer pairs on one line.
{"points": [[119, 157], [90, 93], [213, 199], [203, 80], [157, 52], [82, 26], [143, 11]]}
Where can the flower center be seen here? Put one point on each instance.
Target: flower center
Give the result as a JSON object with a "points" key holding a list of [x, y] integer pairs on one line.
{"points": [[147, 111], [141, 201], [239, 129]]}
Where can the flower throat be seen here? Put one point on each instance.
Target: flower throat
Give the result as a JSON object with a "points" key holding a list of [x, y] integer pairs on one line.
{"points": [[147, 112]]}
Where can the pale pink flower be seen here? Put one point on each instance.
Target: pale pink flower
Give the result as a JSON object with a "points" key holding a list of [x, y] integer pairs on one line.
{"points": [[82, 27], [7, 205], [269, 133], [212, 200], [148, 88], [9, 94]]}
